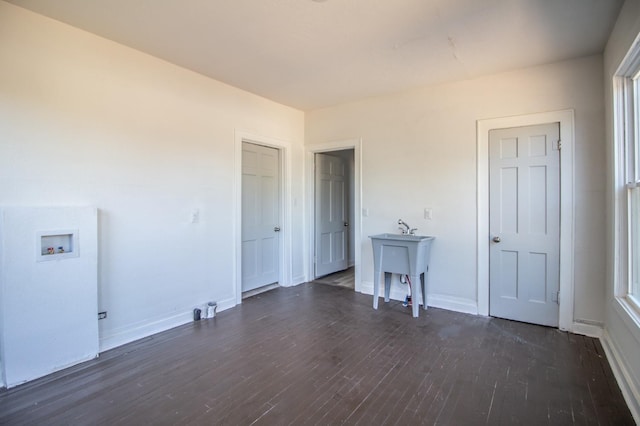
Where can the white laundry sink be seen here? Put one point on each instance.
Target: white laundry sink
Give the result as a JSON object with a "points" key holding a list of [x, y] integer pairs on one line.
{"points": [[400, 237], [402, 254]]}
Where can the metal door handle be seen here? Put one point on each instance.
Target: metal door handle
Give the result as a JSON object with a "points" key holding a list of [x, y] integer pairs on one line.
{"points": [[276, 229], [496, 239], [346, 224]]}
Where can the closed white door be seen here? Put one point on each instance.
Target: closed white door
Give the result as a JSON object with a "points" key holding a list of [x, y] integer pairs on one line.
{"points": [[260, 215], [524, 223], [332, 228]]}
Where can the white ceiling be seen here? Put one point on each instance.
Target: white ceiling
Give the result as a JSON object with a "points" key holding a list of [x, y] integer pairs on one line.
{"points": [[310, 54]]}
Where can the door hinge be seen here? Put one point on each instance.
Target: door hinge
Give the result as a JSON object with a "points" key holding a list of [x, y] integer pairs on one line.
{"points": [[559, 145], [558, 297]]}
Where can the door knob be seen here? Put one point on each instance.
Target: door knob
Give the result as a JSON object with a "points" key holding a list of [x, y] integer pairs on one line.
{"points": [[496, 239], [276, 229], [346, 224]]}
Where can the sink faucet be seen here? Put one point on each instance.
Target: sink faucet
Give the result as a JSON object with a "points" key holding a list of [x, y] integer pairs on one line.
{"points": [[403, 223], [407, 229]]}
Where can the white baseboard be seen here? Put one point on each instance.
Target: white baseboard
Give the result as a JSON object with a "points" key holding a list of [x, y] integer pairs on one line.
{"points": [[146, 329], [300, 279], [629, 390], [51, 370], [587, 329], [451, 303], [443, 301]]}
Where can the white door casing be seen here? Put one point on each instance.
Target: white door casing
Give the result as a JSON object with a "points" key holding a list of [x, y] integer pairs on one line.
{"points": [[235, 215], [331, 235], [260, 215], [566, 120], [524, 223], [356, 145]]}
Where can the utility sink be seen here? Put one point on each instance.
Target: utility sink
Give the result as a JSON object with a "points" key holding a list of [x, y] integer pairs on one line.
{"points": [[400, 237], [402, 254]]}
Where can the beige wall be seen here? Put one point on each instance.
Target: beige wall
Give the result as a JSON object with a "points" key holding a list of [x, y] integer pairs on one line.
{"points": [[85, 121], [419, 150]]}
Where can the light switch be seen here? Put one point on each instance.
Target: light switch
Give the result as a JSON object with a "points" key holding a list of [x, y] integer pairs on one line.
{"points": [[195, 216], [365, 212]]}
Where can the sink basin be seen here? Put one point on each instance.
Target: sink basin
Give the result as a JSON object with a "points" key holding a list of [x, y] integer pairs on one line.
{"points": [[405, 255], [401, 237]]}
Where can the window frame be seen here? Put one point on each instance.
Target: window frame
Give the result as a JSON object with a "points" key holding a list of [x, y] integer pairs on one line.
{"points": [[626, 120]]}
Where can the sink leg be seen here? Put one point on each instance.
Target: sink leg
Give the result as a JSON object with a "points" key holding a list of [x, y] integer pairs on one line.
{"points": [[387, 286], [415, 294], [423, 289], [376, 284]]}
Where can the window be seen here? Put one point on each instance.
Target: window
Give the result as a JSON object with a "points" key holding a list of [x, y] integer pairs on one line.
{"points": [[627, 138], [633, 291], [632, 144]]}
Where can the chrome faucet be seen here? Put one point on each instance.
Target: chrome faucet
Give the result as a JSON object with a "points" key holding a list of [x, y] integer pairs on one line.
{"points": [[403, 223], [407, 229]]}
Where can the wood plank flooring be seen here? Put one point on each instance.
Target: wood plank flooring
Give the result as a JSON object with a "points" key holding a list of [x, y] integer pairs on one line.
{"points": [[320, 354], [342, 278]]}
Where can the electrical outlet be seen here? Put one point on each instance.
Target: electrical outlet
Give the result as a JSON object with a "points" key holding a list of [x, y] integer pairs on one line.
{"points": [[428, 213], [102, 315]]}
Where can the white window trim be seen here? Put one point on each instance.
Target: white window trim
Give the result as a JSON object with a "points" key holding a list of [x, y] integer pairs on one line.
{"points": [[626, 172]]}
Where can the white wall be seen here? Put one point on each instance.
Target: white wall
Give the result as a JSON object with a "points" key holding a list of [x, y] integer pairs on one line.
{"points": [[86, 121], [48, 304], [622, 326], [419, 150]]}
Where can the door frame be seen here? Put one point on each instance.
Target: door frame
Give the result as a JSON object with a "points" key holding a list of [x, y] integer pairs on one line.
{"points": [[321, 214], [284, 150], [566, 120], [356, 145]]}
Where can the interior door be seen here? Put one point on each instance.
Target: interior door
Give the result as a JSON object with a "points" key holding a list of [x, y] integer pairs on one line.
{"points": [[331, 233], [260, 215], [524, 223]]}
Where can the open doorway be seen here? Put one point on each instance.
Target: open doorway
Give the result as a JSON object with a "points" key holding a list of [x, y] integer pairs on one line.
{"points": [[334, 213], [333, 217]]}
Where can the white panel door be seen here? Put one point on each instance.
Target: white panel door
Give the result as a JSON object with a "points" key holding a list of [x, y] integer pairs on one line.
{"points": [[260, 216], [524, 223], [331, 231]]}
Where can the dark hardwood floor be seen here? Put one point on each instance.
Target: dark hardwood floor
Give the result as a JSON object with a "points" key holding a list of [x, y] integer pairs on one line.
{"points": [[342, 278], [320, 354]]}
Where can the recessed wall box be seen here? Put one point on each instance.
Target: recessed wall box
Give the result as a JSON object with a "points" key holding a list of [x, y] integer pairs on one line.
{"points": [[56, 245]]}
